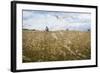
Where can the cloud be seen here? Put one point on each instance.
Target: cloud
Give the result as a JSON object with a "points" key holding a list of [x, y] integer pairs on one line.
{"points": [[56, 20]]}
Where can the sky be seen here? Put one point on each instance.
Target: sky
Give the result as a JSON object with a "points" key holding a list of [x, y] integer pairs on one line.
{"points": [[56, 20]]}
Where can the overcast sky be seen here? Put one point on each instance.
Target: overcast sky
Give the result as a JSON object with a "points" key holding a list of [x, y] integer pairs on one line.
{"points": [[56, 20]]}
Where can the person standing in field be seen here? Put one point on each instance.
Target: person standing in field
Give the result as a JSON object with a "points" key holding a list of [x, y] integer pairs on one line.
{"points": [[46, 29]]}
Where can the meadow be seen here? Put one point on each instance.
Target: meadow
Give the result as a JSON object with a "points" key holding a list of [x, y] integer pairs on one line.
{"points": [[42, 46]]}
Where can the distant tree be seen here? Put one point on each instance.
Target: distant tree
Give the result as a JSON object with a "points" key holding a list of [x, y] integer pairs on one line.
{"points": [[88, 29], [67, 29], [33, 30], [25, 29], [46, 29]]}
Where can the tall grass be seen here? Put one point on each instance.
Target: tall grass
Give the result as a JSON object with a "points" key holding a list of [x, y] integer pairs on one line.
{"points": [[40, 46]]}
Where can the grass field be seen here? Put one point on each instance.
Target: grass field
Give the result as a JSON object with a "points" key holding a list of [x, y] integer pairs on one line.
{"points": [[41, 46]]}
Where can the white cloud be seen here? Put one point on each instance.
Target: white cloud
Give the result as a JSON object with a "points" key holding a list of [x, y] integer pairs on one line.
{"points": [[56, 20]]}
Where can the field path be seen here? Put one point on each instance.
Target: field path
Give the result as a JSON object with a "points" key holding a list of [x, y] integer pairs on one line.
{"points": [[68, 48], [61, 33], [67, 42], [54, 36]]}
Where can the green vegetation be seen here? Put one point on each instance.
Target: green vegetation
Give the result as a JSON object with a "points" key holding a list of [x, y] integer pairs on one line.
{"points": [[41, 46]]}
